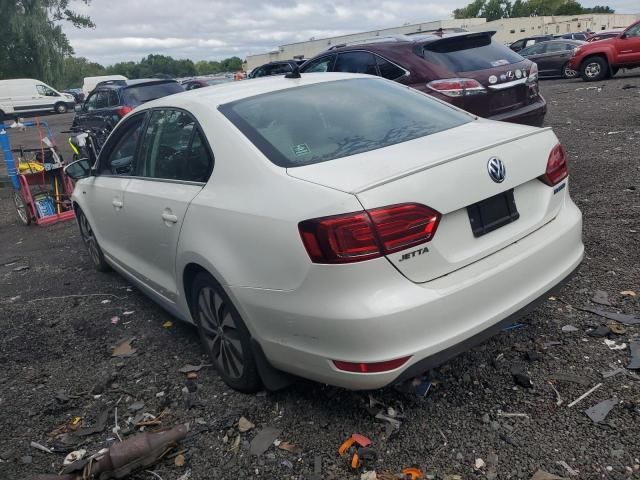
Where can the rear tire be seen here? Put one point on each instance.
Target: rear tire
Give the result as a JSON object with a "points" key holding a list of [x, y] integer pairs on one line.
{"points": [[22, 209], [594, 69], [60, 108], [224, 335], [568, 72], [91, 242]]}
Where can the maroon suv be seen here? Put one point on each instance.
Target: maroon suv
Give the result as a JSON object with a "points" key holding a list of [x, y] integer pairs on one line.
{"points": [[469, 70]]}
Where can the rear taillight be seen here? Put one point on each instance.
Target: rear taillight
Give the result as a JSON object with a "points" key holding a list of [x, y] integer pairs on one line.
{"points": [[533, 73], [557, 167], [358, 236], [457, 87], [122, 111]]}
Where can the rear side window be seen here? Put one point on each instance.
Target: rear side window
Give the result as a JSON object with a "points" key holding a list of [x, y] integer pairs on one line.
{"points": [[356, 62], [389, 70], [469, 53], [120, 160], [554, 47], [144, 93], [325, 121]]}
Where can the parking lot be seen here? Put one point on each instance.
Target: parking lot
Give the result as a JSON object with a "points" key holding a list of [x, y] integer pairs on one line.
{"points": [[58, 330]]}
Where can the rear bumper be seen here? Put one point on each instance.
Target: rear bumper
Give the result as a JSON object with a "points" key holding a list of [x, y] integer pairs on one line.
{"points": [[532, 114], [369, 312]]}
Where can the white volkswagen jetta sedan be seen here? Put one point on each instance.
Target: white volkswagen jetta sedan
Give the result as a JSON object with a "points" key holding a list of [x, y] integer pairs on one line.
{"points": [[341, 228]]}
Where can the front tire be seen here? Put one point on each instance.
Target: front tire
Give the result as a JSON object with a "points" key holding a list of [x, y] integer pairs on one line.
{"points": [[594, 69], [224, 335], [60, 108], [91, 242]]}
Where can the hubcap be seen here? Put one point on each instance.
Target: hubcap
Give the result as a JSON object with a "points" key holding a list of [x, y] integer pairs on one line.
{"points": [[220, 332], [592, 70], [569, 73], [89, 239], [21, 208]]}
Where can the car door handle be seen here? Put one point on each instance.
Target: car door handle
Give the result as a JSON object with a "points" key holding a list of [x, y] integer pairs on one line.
{"points": [[117, 203], [169, 217]]}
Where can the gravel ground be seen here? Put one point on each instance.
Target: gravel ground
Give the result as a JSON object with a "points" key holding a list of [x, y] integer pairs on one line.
{"points": [[55, 353]]}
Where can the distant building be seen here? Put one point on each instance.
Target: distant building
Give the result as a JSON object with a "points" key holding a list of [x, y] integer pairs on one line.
{"points": [[507, 30]]}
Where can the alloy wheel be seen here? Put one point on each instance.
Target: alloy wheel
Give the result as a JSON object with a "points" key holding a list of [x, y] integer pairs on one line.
{"points": [[592, 70], [220, 333], [569, 73], [89, 239]]}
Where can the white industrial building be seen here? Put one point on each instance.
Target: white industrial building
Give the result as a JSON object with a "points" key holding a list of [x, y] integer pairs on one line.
{"points": [[507, 30]]}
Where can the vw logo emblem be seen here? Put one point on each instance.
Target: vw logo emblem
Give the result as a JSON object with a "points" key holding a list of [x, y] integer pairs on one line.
{"points": [[510, 75], [496, 169]]}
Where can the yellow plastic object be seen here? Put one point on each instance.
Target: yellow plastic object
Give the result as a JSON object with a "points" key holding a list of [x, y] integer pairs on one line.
{"points": [[30, 167]]}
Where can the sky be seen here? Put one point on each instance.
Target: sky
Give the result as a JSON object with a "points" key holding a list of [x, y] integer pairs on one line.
{"points": [[213, 30]]}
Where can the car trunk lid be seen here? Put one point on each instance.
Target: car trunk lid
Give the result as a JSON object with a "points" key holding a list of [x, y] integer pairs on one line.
{"points": [[448, 173]]}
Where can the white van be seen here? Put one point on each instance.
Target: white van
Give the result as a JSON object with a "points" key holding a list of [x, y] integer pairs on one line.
{"points": [[91, 82], [25, 95]]}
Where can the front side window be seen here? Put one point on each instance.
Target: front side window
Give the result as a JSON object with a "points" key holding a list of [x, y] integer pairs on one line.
{"points": [[120, 160], [46, 91], [388, 70], [172, 148], [633, 31], [322, 64], [325, 121], [554, 47], [356, 62]]}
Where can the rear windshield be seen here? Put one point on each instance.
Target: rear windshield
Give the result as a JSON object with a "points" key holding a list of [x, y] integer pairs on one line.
{"points": [[469, 53], [145, 93], [324, 121]]}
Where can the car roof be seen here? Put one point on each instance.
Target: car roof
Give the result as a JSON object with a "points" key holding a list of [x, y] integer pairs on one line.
{"points": [[134, 83], [405, 40], [231, 91]]}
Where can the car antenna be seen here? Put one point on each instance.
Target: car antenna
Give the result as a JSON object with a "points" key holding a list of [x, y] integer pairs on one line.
{"points": [[295, 73]]}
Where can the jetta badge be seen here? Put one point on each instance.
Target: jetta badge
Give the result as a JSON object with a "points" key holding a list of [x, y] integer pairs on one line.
{"points": [[496, 169]]}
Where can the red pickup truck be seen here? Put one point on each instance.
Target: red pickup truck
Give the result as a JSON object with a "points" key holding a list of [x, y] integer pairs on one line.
{"points": [[602, 59]]}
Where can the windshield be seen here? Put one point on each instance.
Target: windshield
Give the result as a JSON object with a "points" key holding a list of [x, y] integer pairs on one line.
{"points": [[469, 53], [324, 121], [143, 93]]}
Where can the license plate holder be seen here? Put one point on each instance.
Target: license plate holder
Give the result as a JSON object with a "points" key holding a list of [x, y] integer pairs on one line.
{"points": [[492, 213]]}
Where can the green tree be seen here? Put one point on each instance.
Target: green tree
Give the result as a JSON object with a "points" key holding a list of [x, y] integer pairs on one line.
{"points": [[496, 9], [520, 9], [232, 64], [33, 43], [599, 9], [76, 68], [470, 11]]}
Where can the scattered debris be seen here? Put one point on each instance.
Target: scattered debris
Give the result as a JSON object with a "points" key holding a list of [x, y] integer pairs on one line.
{"points": [[571, 378], [74, 457], [188, 368], [42, 448], [104, 302], [628, 86], [115, 319], [512, 415], [558, 397], [317, 469], [245, 425], [599, 412], [600, 296], [552, 343], [359, 447], [369, 475], [167, 324], [136, 406], [128, 312], [479, 464], [570, 471], [263, 440], [124, 349], [179, 461], [100, 424], [618, 317], [289, 447], [21, 268], [389, 419], [613, 345], [533, 356], [186, 475], [542, 475], [515, 326], [569, 329], [599, 332], [521, 376], [584, 395], [634, 346], [617, 329], [628, 293]]}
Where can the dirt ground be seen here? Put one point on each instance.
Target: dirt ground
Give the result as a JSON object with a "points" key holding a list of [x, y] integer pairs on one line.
{"points": [[56, 364]]}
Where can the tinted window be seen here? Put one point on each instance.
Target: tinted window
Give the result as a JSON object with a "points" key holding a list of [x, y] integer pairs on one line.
{"points": [[633, 31], [280, 69], [172, 148], [91, 102], [112, 98], [388, 69], [97, 101], [44, 90], [144, 93], [258, 72], [469, 53], [324, 121], [121, 159], [580, 36], [532, 50], [322, 64], [356, 62], [517, 45]]}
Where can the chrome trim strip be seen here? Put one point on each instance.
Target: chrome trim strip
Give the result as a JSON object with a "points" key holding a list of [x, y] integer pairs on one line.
{"points": [[502, 86]]}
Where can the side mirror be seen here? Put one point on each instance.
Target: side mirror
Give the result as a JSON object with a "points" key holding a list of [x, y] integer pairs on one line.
{"points": [[79, 169], [622, 36], [78, 107]]}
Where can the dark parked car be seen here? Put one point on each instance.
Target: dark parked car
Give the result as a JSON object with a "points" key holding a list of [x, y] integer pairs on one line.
{"points": [[195, 83], [582, 36], [108, 103], [77, 93], [275, 68], [468, 70], [528, 41], [552, 57], [604, 35]]}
